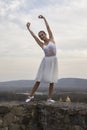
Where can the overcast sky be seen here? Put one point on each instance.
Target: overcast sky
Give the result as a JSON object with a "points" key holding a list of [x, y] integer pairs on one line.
{"points": [[20, 55]]}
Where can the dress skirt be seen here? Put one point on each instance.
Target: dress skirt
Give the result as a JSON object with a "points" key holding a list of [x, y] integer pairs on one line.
{"points": [[48, 70]]}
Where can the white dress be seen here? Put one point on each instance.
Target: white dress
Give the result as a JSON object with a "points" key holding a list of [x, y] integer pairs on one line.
{"points": [[48, 70]]}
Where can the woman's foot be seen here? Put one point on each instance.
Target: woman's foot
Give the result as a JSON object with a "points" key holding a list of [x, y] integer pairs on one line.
{"points": [[50, 100], [29, 99]]}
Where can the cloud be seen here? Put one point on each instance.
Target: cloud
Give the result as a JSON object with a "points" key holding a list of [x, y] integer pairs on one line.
{"points": [[72, 54], [67, 19]]}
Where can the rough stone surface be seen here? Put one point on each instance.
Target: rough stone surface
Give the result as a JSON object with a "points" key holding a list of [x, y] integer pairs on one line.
{"points": [[43, 116]]}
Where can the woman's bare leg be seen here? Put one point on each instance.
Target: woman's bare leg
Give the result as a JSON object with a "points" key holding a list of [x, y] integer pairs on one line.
{"points": [[50, 90], [35, 87]]}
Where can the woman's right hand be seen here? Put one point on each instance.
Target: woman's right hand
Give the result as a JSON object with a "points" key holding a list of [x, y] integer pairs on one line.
{"points": [[28, 25]]}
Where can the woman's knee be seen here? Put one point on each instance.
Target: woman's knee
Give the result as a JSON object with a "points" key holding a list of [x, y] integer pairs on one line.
{"points": [[38, 82], [51, 84]]}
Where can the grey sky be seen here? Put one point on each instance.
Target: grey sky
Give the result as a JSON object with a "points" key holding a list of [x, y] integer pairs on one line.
{"points": [[68, 21]]}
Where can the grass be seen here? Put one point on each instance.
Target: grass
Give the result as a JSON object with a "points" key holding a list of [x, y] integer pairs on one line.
{"points": [[75, 97]]}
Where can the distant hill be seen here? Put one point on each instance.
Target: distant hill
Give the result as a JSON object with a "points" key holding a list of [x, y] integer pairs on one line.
{"points": [[16, 85], [72, 84], [64, 84]]}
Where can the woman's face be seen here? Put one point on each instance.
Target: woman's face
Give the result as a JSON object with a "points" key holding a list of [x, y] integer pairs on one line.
{"points": [[42, 36]]}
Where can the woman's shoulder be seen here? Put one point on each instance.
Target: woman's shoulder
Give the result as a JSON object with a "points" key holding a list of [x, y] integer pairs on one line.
{"points": [[52, 41]]}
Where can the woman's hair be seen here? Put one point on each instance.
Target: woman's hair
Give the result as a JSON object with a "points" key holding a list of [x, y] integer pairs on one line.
{"points": [[41, 32]]}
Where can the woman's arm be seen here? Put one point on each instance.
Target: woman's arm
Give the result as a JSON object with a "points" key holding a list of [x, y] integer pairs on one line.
{"points": [[34, 36], [47, 26]]}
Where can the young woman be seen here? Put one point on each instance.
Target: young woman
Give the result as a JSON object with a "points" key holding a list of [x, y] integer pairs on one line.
{"points": [[48, 70]]}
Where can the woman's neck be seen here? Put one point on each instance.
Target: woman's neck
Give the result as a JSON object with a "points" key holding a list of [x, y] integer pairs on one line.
{"points": [[46, 41]]}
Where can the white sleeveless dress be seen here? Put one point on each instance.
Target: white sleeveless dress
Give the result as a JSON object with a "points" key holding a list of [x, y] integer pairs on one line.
{"points": [[48, 70]]}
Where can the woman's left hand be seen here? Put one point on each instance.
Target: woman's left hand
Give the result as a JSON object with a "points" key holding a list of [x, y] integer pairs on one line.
{"points": [[41, 16]]}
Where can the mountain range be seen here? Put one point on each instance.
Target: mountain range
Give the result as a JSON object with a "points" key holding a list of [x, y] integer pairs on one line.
{"points": [[64, 84]]}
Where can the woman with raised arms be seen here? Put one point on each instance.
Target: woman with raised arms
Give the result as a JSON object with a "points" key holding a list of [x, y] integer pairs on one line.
{"points": [[48, 70]]}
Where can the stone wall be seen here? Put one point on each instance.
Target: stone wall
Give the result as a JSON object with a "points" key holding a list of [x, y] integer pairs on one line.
{"points": [[43, 116]]}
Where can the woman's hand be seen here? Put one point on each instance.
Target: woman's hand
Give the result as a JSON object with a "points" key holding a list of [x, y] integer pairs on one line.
{"points": [[41, 16], [47, 26], [28, 25]]}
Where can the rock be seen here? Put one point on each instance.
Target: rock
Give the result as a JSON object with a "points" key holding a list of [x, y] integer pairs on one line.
{"points": [[8, 119], [5, 128], [76, 127], [17, 110], [44, 116], [1, 122], [4, 110], [14, 127]]}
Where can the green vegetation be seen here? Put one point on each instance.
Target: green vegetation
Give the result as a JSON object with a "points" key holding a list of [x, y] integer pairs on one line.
{"points": [[75, 97]]}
